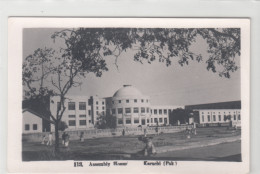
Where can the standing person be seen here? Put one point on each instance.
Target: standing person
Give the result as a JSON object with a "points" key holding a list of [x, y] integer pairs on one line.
{"points": [[82, 137], [43, 139], [67, 137], [63, 138], [49, 139], [123, 132], [156, 130], [145, 132]]}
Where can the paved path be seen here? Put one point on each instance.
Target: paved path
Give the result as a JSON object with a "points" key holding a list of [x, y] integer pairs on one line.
{"points": [[191, 145]]}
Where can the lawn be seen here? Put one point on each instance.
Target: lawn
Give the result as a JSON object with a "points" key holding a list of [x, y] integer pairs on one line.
{"points": [[121, 147]]}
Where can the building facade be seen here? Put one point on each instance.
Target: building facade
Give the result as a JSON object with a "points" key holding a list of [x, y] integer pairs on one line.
{"points": [[219, 115], [32, 122], [78, 114], [131, 109], [222, 112]]}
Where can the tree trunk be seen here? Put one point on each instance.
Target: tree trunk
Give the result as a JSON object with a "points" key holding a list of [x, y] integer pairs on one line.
{"points": [[56, 136]]}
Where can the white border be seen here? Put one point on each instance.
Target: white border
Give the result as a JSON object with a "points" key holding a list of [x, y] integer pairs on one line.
{"points": [[15, 97]]}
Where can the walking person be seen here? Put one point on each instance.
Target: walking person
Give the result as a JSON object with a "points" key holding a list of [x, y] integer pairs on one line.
{"points": [[49, 139]]}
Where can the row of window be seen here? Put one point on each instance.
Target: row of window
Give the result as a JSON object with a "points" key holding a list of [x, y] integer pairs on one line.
{"points": [[27, 127], [219, 118], [103, 108], [136, 121], [219, 112], [128, 101], [81, 122], [103, 103], [140, 110]]}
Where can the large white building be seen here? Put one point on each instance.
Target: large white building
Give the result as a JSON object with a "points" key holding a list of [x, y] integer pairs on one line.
{"points": [[128, 105]]}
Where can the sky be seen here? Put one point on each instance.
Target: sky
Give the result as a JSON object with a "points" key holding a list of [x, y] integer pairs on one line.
{"points": [[172, 85]]}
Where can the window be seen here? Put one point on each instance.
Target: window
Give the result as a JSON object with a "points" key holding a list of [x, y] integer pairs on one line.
{"points": [[202, 117], [89, 121], [160, 111], [235, 117], [89, 112], [128, 121], [34, 126], [202, 112], [27, 127], [136, 110], [238, 117], [147, 110], [71, 105], [208, 118], [103, 108], [165, 120], [113, 102], [156, 120], [103, 102], [82, 105], [113, 111], [82, 122], [219, 118], [96, 102], [127, 110], [119, 101], [142, 110], [165, 111], [160, 120], [97, 112], [146, 100], [119, 121], [136, 120], [72, 123], [97, 107], [58, 106], [142, 100], [169, 111], [82, 116], [155, 111], [143, 121], [103, 112], [119, 110], [147, 120], [72, 116], [127, 101], [135, 100], [214, 117], [151, 120]]}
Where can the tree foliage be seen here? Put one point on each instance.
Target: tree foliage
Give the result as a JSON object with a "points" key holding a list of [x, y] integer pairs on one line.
{"points": [[149, 44], [62, 126], [181, 115], [106, 122]]}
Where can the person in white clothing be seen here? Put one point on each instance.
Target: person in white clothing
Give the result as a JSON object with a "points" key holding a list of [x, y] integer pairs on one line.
{"points": [[49, 139]]}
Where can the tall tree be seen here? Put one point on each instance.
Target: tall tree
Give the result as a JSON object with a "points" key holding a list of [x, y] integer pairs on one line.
{"points": [[48, 72]]}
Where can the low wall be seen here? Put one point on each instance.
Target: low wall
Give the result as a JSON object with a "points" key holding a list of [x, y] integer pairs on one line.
{"points": [[97, 133]]}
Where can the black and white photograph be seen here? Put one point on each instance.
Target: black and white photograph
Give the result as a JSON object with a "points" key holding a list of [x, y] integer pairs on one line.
{"points": [[108, 95]]}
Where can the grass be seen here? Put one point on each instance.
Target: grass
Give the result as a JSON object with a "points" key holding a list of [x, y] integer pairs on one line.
{"points": [[117, 147]]}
